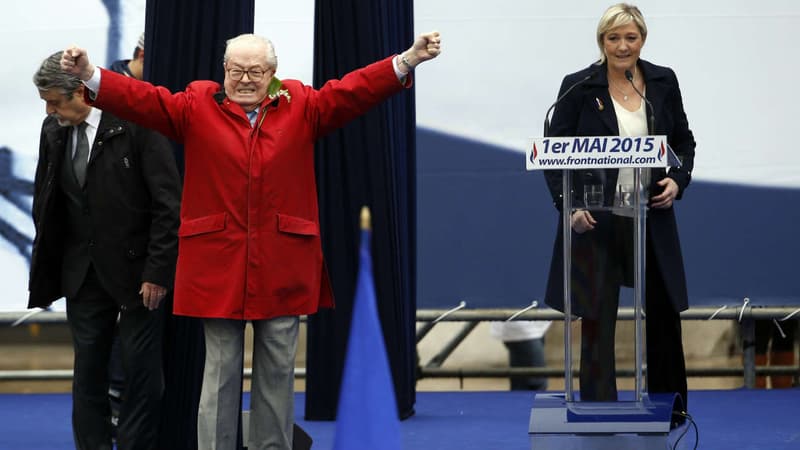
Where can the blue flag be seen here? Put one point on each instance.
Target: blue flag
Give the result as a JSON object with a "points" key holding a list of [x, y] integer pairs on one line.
{"points": [[367, 415]]}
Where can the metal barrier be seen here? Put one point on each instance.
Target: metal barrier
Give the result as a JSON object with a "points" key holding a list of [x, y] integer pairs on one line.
{"points": [[745, 315]]}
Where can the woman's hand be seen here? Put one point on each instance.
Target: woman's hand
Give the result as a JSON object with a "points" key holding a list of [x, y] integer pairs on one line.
{"points": [[582, 221], [667, 196]]}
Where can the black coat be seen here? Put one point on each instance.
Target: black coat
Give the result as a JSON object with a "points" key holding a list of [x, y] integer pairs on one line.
{"points": [[133, 195], [589, 111]]}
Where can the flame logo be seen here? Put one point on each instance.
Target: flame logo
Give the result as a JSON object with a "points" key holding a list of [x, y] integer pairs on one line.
{"points": [[534, 154], [662, 152]]}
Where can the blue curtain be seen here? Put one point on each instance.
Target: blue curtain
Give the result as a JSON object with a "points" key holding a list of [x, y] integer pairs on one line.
{"points": [[185, 41], [370, 162]]}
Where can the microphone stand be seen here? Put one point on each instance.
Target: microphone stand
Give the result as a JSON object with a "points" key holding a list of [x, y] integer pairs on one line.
{"points": [[640, 221], [558, 100], [651, 120]]}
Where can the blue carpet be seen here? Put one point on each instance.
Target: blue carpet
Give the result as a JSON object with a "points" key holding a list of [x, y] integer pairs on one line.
{"points": [[727, 419]]}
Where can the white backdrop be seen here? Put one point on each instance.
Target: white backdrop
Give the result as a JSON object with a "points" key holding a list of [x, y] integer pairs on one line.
{"points": [[736, 62], [499, 71], [32, 30]]}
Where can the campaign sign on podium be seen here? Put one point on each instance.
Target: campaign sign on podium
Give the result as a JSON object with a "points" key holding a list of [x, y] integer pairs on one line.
{"points": [[599, 152], [617, 200]]}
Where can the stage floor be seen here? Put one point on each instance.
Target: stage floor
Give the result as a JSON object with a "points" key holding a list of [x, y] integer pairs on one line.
{"points": [[727, 420]]}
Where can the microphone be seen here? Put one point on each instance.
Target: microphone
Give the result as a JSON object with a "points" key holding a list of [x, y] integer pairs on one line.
{"points": [[561, 97], [651, 123]]}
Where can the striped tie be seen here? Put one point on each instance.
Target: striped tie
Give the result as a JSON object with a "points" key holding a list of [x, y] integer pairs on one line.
{"points": [[252, 115]]}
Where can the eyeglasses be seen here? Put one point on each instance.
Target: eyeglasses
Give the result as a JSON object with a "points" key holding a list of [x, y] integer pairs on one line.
{"points": [[255, 74]]}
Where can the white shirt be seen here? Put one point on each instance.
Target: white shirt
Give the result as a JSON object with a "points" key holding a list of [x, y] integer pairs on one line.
{"points": [[631, 123]]}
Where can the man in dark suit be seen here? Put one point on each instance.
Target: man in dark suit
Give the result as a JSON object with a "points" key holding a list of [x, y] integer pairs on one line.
{"points": [[106, 211]]}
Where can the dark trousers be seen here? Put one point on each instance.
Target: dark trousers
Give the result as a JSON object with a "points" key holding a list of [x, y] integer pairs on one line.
{"points": [[92, 316], [666, 367]]}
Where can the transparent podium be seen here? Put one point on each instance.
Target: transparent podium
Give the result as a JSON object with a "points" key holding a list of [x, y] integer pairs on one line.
{"points": [[637, 420]]}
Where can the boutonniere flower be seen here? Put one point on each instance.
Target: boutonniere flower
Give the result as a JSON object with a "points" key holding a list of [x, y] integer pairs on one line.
{"points": [[275, 90], [282, 93]]}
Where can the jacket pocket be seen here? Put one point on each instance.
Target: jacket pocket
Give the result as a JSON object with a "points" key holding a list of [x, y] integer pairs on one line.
{"points": [[297, 225], [203, 225]]}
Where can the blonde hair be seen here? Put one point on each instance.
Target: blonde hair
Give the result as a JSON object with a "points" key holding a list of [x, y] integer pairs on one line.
{"points": [[616, 16]]}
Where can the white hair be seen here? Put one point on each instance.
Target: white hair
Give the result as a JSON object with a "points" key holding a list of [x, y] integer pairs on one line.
{"points": [[250, 39]]}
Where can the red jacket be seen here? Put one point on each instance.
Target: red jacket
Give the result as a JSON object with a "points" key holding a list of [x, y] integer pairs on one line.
{"points": [[249, 237]]}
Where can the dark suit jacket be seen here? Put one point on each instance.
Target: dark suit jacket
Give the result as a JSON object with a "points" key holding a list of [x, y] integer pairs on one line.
{"points": [[132, 194], [580, 114]]}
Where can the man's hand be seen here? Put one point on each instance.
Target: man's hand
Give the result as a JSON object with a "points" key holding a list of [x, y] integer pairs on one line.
{"points": [[152, 294], [667, 197], [75, 61], [582, 221], [426, 46]]}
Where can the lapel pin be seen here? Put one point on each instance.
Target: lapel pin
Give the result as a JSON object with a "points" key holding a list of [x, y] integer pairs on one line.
{"points": [[600, 105]]}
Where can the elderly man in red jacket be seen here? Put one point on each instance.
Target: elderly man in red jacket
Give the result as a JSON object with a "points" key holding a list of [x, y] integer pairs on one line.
{"points": [[249, 236]]}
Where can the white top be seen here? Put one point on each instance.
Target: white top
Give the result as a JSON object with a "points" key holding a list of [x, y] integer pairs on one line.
{"points": [[631, 123]]}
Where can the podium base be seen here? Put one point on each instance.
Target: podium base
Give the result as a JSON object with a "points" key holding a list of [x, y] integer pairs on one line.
{"points": [[558, 424]]}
